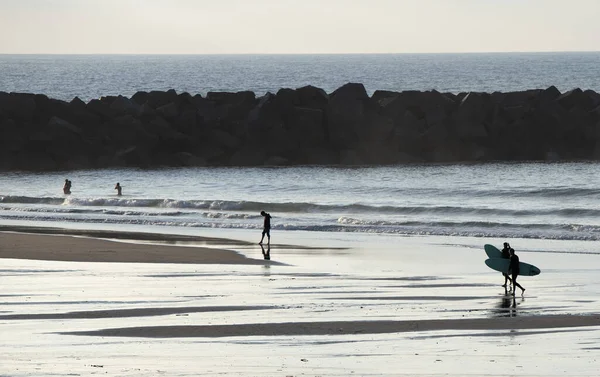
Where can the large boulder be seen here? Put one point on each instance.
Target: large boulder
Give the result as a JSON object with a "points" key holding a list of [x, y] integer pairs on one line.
{"points": [[248, 156], [306, 126], [123, 105], [168, 111], [20, 106], [229, 98], [312, 97], [347, 115], [156, 98], [470, 118]]}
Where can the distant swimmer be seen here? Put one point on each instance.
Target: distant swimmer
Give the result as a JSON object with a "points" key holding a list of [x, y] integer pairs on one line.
{"points": [[119, 188], [67, 187], [266, 228], [506, 255], [513, 269]]}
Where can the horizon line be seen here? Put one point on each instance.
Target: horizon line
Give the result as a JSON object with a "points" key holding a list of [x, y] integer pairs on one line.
{"points": [[294, 53]]}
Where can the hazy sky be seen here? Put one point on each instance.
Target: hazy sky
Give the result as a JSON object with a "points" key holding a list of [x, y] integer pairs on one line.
{"points": [[297, 26]]}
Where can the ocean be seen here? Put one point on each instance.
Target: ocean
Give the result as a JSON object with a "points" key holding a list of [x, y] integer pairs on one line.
{"points": [[93, 76], [547, 201], [553, 201]]}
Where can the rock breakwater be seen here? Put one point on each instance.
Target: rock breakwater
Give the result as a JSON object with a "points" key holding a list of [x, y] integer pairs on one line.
{"points": [[297, 127]]}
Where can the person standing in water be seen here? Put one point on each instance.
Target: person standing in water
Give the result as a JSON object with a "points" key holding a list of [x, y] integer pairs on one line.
{"points": [[266, 228], [67, 187], [506, 255], [513, 269], [118, 188]]}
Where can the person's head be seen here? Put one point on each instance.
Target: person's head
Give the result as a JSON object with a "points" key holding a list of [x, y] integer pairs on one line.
{"points": [[262, 213], [506, 244], [512, 251], [118, 184]]}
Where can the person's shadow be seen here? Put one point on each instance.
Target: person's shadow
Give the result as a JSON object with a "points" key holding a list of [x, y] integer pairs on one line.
{"points": [[267, 253]]}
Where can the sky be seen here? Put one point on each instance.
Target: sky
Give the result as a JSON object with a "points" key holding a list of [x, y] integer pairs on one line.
{"points": [[296, 26]]}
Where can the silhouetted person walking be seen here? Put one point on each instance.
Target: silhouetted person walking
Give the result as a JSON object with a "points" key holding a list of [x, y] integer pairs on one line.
{"points": [[118, 188], [506, 255], [266, 228], [513, 269]]}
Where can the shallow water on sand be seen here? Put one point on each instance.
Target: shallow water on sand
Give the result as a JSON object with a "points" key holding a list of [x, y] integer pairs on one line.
{"points": [[43, 302]]}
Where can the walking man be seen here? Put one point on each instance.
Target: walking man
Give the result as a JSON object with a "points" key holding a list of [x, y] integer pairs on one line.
{"points": [[266, 228]]}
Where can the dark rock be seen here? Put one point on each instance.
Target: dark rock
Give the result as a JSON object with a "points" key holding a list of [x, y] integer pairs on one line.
{"points": [[189, 159], [248, 156], [287, 99], [100, 108], [20, 106], [123, 105], [571, 98], [312, 97], [550, 94], [347, 115], [239, 98], [77, 104], [60, 125], [306, 126], [384, 96], [470, 118], [223, 139], [277, 161], [140, 97], [168, 111], [156, 99]]}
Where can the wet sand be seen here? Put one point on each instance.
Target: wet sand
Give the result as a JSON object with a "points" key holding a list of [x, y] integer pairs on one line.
{"points": [[183, 306], [82, 248]]}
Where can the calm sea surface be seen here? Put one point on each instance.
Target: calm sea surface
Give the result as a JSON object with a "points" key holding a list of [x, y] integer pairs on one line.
{"points": [[93, 76]]}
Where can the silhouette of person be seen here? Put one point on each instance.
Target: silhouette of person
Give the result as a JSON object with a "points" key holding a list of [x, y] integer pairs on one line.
{"points": [[267, 253], [266, 228], [506, 255], [118, 188], [67, 187], [513, 269]]}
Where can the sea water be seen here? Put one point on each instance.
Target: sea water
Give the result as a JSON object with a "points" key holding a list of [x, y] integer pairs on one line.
{"points": [[552, 201], [93, 76]]}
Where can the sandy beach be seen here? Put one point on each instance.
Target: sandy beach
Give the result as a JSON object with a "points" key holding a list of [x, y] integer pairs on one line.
{"points": [[141, 304]]}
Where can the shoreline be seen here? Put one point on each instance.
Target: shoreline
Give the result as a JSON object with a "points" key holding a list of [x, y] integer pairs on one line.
{"points": [[54, 244]]}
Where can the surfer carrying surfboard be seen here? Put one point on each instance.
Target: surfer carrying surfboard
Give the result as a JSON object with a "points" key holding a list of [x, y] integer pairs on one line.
{"points": [[506, 255], [513, 269]]}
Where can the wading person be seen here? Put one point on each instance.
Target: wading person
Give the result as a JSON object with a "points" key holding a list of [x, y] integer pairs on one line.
{"points": [[118, 188], [266, 228], [67, 187]]}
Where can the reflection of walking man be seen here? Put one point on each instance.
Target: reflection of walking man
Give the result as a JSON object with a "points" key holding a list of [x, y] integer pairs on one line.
{"points": [[266, 228], [267, 253]]}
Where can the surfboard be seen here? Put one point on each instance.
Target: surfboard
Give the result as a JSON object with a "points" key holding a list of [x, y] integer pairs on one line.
{"points": [[501, 265], [492, 251]]}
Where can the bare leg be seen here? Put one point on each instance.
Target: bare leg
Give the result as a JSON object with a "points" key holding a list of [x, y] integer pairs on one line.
{"points": [[515, 285]]}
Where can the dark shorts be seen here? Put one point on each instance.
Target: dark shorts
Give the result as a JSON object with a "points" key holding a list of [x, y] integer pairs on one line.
{"points": [[267, 231]]}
